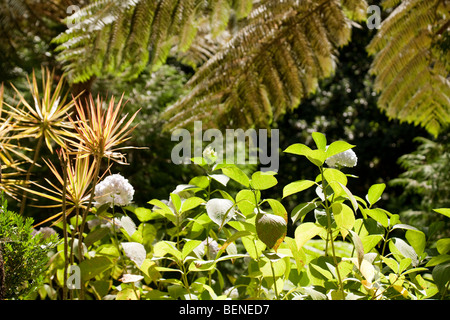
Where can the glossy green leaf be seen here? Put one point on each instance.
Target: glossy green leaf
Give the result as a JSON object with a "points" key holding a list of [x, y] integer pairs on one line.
{"points": [[254, 247], [305, 232], [299, 212], [443, 245], [297, 186], [200, 181], [331, 174], [442, 258], [191, 203], [96, 235], [344, 217], [188, 247], [277, 208], [143, 214], [441, 274], [350, 197], [320, 140], [375, 192], [337, 147], [359, 247], [263, 180], [298, 149], [163, 248], [443, 211], [237, 175], [298, 254], [163, 209], [271, 229], [417, 240], [378, 215], [127, 294], [246, 201], [92, 267], [176, 201], [370, 241], [391, 263], [317, 157]]}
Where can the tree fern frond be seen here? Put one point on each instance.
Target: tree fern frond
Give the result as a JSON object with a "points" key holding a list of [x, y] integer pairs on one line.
{"points": [[410, 73], [269, 66], [136, 32]]}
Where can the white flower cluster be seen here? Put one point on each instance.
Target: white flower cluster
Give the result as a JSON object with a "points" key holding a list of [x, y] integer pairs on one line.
{"points": [[209, 154], [347, 158], [115, 190]]}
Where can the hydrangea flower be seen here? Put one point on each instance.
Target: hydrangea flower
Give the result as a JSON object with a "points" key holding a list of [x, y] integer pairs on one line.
{"points": [[210, 155], [347, 158], [115, 190]]}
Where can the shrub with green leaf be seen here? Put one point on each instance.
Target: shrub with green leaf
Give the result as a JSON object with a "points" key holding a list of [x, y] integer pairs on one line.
{"points": [[24, 253], [204, 242]]}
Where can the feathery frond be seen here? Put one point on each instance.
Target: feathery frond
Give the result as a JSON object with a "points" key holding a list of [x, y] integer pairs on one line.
{"points": [[411, 74], [269, 65], [121, 37]]}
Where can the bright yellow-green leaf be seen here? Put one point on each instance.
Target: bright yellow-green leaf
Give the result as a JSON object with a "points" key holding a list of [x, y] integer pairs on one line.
{"points": [[305, 232]]}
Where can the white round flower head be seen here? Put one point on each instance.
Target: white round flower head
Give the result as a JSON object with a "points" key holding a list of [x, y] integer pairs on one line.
{"points": [[209, 154], [347, 158], [115, 190]]}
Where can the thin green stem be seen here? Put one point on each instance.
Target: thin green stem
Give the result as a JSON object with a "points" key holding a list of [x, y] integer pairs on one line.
{"points": [[330, 231], [274, 279]]}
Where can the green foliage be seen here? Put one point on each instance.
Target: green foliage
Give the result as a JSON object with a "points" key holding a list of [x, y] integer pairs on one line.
{"points": [[410, 66], [426, 181], [273, 62], [121, 37], [25, 253], [203, 242]]}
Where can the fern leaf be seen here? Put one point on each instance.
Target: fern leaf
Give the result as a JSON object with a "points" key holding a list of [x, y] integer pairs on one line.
{"points": [[410, 74], [269, 66]]}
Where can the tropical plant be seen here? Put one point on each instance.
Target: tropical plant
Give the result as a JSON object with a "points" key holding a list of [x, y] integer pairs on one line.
{"points": [[10, 152], [180, 248], [282, 50], [275, 55], [271, 64], [122, 37], [46, 119], [411, 63]]}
